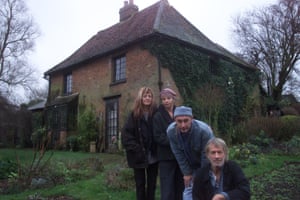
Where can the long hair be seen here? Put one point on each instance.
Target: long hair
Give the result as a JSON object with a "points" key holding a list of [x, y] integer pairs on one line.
{"points": [[139, 108]]}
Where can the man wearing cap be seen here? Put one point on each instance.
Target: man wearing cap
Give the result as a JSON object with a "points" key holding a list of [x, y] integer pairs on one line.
{"points": [[188, 138]]}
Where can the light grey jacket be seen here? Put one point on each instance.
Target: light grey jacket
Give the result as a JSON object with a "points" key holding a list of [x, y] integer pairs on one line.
{"points": [[200, 133]]}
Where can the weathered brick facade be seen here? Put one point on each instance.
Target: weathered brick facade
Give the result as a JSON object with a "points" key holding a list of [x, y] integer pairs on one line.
{"points": [[92, 65], [93, 80]]}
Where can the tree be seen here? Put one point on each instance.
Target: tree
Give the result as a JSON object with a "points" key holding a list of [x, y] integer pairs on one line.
{"points": [[17, 35], [269, 38]]}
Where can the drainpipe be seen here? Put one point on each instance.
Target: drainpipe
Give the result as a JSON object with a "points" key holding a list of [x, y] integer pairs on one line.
{"points": [[160, 83]]}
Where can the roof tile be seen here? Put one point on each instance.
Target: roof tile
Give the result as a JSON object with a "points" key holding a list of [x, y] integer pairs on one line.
{"points": [[159, 18]]}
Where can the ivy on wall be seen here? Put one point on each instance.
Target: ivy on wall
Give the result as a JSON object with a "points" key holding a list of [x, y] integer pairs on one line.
{"points": [[216, 89]]}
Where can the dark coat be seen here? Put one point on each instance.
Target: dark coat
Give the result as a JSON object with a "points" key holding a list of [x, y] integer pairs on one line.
{"points": [[235, 184], [137, 139], [161, 121]]}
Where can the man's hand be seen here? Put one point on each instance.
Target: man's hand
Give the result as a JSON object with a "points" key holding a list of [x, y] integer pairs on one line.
{"points": [[218, 197], [187, 180]]}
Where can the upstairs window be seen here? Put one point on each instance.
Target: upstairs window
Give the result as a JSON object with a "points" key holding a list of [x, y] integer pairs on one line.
{"points": [[68, 84], [214, 65], [119, 69]]}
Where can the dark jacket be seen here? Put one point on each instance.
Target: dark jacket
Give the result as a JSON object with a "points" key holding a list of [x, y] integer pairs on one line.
{"points": [[235, 184], [161, 121], [137, 139]]}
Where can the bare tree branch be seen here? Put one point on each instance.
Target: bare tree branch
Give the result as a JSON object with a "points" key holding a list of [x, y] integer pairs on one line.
{"points": [[17, 35], [270, 39]]}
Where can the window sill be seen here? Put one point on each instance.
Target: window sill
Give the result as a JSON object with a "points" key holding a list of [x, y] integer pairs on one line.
{"points": [[118, 82]]}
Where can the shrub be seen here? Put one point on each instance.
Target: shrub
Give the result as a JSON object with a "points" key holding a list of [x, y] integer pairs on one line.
{"points": [[244, 131], [87, 127], [8, 169], [46, 174], [278, 128], [238, 134], [289, 111], [244, 154], [293, 146], [290, 127], [262, 141], [120, 178], [39, 137], [72, 143]]}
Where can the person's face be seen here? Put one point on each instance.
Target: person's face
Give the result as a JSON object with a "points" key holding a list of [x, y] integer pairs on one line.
{"points": [[183, 123], [147, 99], [167, 101], [216, 156]]}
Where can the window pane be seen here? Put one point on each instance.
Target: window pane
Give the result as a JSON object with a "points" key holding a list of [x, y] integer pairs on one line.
{"points": [[120, 68], [68, 84], [112, 121]]}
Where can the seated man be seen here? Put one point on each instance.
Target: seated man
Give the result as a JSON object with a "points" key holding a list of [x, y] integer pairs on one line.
{"points": [[220, 179]]}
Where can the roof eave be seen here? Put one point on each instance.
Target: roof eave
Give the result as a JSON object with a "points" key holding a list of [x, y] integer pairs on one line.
{"points": [[154, 34]]}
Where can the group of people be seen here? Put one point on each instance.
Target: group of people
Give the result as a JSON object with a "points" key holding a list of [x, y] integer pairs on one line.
{"points": [[191, 163]]}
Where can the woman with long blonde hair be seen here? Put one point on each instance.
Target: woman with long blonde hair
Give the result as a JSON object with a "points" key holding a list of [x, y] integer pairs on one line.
{"points": [[137, 139]]}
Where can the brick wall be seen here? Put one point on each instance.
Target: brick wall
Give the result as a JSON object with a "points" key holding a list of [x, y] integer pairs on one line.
{"points": [[93, 81]]}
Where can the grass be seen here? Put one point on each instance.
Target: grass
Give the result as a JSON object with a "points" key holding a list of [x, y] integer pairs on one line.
{"points": [[268, 163], [279, 184], [96, 187]]}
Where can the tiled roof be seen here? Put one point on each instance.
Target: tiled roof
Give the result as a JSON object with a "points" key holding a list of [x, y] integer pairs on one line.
{"points": [[160, 18]]}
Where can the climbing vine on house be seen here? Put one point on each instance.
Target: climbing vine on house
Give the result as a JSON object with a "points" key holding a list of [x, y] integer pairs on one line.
{"points": [[216, 89]]}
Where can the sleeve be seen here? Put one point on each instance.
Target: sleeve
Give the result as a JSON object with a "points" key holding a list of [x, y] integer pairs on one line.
{"points": [[129, 140], [159, 131], [178, 151], [206, 136], [241, 186], [225, 195], [201, 188]]}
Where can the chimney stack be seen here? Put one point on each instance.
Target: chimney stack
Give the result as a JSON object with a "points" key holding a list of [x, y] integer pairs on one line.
{"points": [[128, 10]]}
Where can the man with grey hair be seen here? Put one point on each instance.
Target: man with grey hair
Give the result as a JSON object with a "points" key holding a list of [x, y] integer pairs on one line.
{"points": [[220, 179]]}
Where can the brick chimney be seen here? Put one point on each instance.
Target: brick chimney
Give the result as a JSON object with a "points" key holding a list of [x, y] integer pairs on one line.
{"points": [[128, 10]]}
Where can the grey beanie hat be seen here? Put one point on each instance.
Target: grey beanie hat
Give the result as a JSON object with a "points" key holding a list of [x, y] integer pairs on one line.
{"points": [[183, 111]]}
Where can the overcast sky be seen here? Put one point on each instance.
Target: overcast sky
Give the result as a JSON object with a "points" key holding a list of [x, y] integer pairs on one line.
{"points": [[65, 25]]}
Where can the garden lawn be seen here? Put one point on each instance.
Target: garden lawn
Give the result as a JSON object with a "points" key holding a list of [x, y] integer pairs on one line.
{"points": [[265, 178]]}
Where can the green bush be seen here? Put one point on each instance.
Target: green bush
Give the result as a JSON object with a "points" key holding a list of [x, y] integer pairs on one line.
{"points": [[244, 154], [72, 143], [290, 127], [238, 134], [87, 127], [261, 140], [293, 145], [277, 128], [39, 137], [8, 169]]}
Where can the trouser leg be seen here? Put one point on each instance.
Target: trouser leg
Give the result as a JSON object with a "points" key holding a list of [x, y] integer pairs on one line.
{"points": [[140, 181], [152, 171]]}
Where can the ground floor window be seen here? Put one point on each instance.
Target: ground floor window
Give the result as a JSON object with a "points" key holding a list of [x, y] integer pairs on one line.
{"points": [[112, 122]]}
